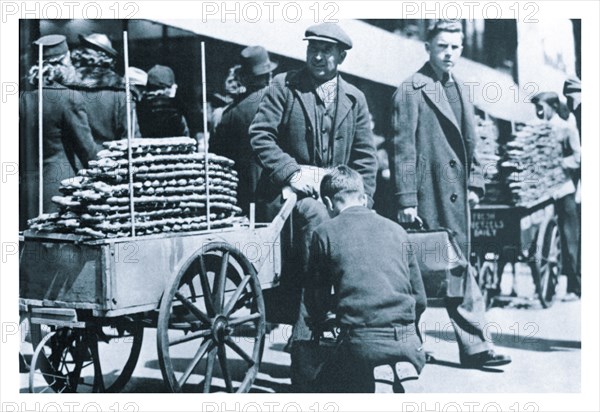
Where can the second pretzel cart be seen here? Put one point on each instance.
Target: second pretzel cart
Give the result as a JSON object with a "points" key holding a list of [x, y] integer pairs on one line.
{"points": [[503, 234]]}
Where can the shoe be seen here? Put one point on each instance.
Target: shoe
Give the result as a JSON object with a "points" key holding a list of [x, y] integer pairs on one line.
{"points": [[429, 358], [485, 359], [571, 297]]}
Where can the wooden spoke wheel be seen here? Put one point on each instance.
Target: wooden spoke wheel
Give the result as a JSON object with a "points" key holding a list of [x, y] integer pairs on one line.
{"points": [[61, 353], [547, 267], [64, 362], [488, 278], [215, 293]]}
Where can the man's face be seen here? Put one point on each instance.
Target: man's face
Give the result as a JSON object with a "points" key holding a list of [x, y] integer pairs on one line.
{"points": [[445, 50], [323, 58]]}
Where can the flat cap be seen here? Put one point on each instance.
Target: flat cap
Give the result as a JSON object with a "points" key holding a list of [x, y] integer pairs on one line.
{"points": [[161, 76], [54, 45], [328, 32]]}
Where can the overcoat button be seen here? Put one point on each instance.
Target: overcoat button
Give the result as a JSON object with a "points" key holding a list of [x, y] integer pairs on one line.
{"points": [[452, 163], [453, 197]]}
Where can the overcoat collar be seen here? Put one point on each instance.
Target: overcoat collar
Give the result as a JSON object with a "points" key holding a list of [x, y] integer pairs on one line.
{"points": [[426, 79]]}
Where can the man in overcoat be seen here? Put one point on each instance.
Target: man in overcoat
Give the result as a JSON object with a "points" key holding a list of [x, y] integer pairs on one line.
{"points": [[307, 121], [231, 136], [437, 177]]}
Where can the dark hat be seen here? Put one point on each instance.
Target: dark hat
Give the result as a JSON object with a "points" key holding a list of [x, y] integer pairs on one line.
{"points": [[328, 32], [547, 97], [98, 41], [255, 61], [161, 76], [54, 45], [572, 91]]}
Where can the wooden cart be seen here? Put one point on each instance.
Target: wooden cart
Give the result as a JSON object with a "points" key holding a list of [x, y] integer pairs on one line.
{"points": [[200, 290], [502, 234]]}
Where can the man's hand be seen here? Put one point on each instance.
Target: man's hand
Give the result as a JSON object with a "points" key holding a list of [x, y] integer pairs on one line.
{"points": [[407, 215], [473, 199], [304, 182]]}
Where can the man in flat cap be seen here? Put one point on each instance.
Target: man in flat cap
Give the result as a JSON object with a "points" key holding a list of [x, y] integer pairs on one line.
{"points": [[307, 121], [67, 137], [549, 109], [103, 89], [436, 176], [231, 136], [160, 112]]}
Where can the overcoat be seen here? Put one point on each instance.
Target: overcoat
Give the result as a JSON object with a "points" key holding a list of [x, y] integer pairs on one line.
{"points": [[231, 140], [67, 143], [433, 161], [283, 136], [105, 101]]}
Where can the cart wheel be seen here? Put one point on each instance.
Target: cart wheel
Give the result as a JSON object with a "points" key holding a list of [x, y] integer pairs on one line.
{"points": [[124, 336], [546, 268], [487, 275], [63, 362], [216, 291]]}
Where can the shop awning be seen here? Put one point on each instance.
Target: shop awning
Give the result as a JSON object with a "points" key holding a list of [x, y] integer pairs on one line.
{"points": [[378, 56]]}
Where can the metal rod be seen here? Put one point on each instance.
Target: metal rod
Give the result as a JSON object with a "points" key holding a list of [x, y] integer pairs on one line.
{"points": [[129, 133], [252, 215], [41, 128], [205, 124]]}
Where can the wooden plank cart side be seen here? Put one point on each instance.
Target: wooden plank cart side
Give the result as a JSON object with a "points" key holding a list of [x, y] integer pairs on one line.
{"points": [[194, 287]]}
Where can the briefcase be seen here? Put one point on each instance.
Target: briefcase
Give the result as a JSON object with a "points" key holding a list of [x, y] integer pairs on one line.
{"points": [[442, 263]]}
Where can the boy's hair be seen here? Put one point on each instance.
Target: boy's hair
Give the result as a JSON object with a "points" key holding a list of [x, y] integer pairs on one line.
{"points": [[438, 26], [340, 182]]}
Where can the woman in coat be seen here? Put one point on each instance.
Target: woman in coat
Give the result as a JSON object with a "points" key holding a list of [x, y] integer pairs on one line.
{"points": [[103, 89], [67, 137]]}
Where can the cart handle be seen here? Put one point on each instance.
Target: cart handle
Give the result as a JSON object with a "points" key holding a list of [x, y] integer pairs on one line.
{"points": [[290, 198]]}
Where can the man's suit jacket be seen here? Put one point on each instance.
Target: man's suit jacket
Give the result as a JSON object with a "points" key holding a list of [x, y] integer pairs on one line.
{"points": [[432, 161], [283, 136]]}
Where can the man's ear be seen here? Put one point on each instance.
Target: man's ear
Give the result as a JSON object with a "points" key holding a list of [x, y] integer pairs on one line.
{"points": [[428, 47], [363, 200], [343, 55]]}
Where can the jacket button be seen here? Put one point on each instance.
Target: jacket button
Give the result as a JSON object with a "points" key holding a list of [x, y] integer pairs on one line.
{"points": [[453, 197], [452, 163]]}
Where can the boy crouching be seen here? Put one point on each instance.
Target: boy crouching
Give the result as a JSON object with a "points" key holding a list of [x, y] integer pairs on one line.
{"points": [[378, 291]]}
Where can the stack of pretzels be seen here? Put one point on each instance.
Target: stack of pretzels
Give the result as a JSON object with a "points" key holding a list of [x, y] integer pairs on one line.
{"points": [[532, 164], [169, 185]]}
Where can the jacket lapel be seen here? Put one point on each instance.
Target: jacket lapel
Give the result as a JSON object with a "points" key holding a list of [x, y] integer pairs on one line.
{"points": [[303, 90], [344, 104], [435, 93]]}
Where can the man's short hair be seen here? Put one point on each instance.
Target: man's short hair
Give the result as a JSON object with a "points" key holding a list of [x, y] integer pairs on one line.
{"points": [[438, 26], [341, 182]]}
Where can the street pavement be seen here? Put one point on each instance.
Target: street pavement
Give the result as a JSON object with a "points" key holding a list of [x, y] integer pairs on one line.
{"points": [[545, 345]]}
